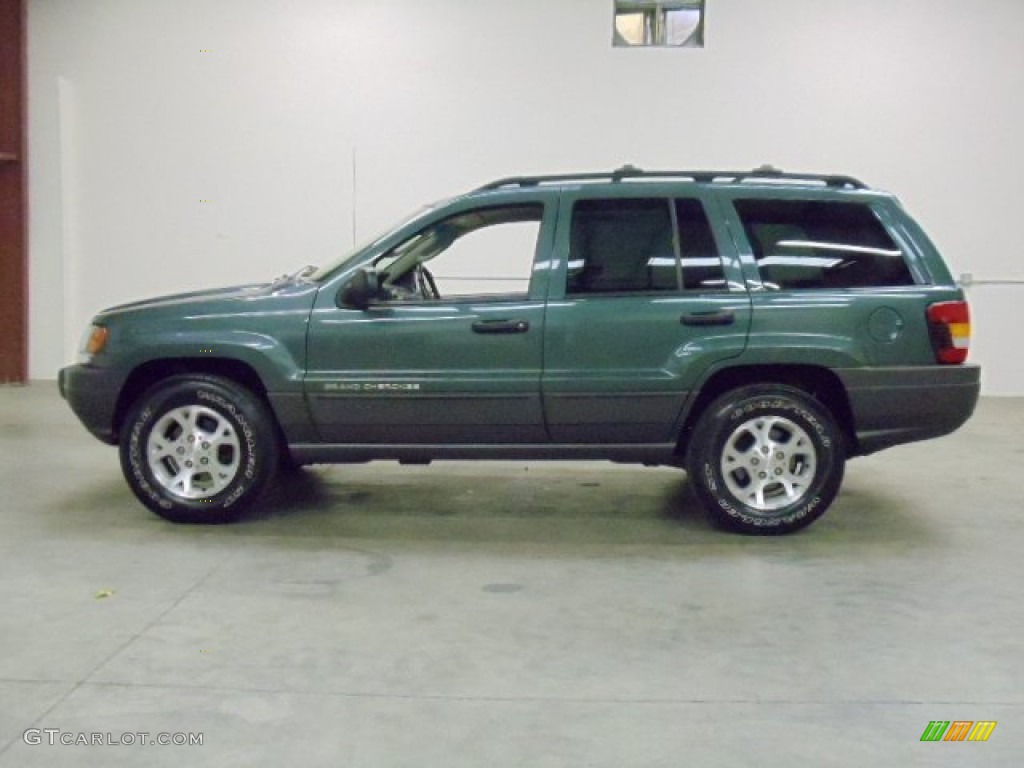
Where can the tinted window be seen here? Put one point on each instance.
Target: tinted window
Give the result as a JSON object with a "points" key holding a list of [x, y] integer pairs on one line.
{"points": [[701, 263], [821, 244], [629, 245]]}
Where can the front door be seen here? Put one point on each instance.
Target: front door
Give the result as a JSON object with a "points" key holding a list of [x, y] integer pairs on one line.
{"points": [[641, 304], [452, 351]]}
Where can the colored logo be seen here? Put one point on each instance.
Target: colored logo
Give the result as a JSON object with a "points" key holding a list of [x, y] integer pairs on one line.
{"points": [[958, 730]]}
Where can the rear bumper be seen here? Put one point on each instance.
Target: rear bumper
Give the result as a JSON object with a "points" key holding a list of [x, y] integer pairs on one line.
{"points": [[92, 394], [892, 406]]}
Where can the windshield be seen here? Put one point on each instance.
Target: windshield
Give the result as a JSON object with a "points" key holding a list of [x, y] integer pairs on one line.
{"points": [[322, 272]]}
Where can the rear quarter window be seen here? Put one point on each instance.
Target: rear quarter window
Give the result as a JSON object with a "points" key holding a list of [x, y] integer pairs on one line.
{"points": [[808, 244]]}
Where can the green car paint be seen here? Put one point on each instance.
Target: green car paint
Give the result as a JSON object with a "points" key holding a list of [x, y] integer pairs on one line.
{"points": [[549, 372]]}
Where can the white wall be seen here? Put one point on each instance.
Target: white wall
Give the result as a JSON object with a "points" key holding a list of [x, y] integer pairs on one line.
{"points": [[131, 126]]}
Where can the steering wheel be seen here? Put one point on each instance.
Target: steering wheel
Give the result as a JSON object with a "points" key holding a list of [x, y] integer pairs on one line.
{"points": [[425, 283]]}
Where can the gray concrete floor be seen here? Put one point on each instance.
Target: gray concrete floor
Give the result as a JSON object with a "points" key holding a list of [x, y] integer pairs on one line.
{"points": [[510, 614]]}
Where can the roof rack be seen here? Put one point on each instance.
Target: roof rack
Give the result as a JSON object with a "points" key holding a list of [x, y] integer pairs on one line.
{"points": [[764, 173]]}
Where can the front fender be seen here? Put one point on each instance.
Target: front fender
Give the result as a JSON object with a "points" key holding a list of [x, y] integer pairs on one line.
{"points": [[278, 363]]}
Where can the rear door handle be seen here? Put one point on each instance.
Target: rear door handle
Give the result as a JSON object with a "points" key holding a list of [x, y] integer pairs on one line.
{"points": [[501, 326], [714, 317]]}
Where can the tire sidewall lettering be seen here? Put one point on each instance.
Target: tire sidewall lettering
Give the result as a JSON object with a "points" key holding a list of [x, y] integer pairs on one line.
{"points": [[227, 407], [722, 421], [785, 406], [136, 455], [249, 476]]}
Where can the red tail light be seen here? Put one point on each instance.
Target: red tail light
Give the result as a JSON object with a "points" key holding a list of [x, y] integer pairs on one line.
{"points": [[949, 323]]}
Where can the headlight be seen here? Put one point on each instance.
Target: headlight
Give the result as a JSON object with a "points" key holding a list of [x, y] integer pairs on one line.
{"points": [[93, 342]]}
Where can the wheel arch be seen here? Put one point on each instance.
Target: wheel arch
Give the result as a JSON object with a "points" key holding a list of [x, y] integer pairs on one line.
{"points": [[151, 372], [818, 381]]}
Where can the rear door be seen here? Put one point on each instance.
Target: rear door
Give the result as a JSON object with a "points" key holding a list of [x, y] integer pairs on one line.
{"points": [[645, 295]]}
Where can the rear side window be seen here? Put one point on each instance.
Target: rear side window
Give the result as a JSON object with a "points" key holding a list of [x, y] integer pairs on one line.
{"points": [[802, 244], [641, 245]]}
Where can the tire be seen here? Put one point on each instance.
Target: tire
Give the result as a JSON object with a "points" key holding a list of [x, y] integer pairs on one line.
{"points": [[222, 428], [766, 459]]}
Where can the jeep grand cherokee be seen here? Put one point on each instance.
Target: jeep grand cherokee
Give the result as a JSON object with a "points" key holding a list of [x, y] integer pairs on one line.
{"points": [[757, 329]]}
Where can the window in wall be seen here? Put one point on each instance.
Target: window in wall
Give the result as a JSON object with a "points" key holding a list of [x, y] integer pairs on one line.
{"points": [[802, 244], [628, 245], [677, 23]]}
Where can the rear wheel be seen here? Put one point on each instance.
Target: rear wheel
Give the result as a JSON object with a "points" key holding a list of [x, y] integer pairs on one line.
{"points": [[766, 459], [198, 449]]}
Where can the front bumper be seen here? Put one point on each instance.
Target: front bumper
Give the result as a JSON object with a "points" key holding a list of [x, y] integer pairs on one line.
{"points": [[892, 406], [92, 394]]}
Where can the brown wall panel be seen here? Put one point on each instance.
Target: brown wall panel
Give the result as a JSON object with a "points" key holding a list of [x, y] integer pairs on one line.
{"points": [[13, 256]]}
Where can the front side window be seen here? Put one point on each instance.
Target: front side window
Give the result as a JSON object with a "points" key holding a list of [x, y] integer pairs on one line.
{"points": [[641, 245], [800, 244], [479, 253]]}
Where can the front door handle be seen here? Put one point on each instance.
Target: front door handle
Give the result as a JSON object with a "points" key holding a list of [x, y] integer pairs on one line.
{"points": [[501, 326], [714, 317]]}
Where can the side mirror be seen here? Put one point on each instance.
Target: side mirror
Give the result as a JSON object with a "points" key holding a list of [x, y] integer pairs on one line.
{"points": [[361, 289]]}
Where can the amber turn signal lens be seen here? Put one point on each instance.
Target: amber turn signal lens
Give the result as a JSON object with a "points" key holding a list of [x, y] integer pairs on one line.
{"points": [[97, 340]]}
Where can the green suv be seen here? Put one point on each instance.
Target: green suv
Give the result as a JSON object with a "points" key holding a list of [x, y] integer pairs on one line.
{"points": [[756, 329]]}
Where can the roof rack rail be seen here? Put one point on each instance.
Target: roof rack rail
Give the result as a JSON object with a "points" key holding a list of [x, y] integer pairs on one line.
{"points": [[763, 173]]}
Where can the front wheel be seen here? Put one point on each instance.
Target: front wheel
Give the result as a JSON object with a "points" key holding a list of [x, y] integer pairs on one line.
{"points": [[198, 449], [766, 459]]}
